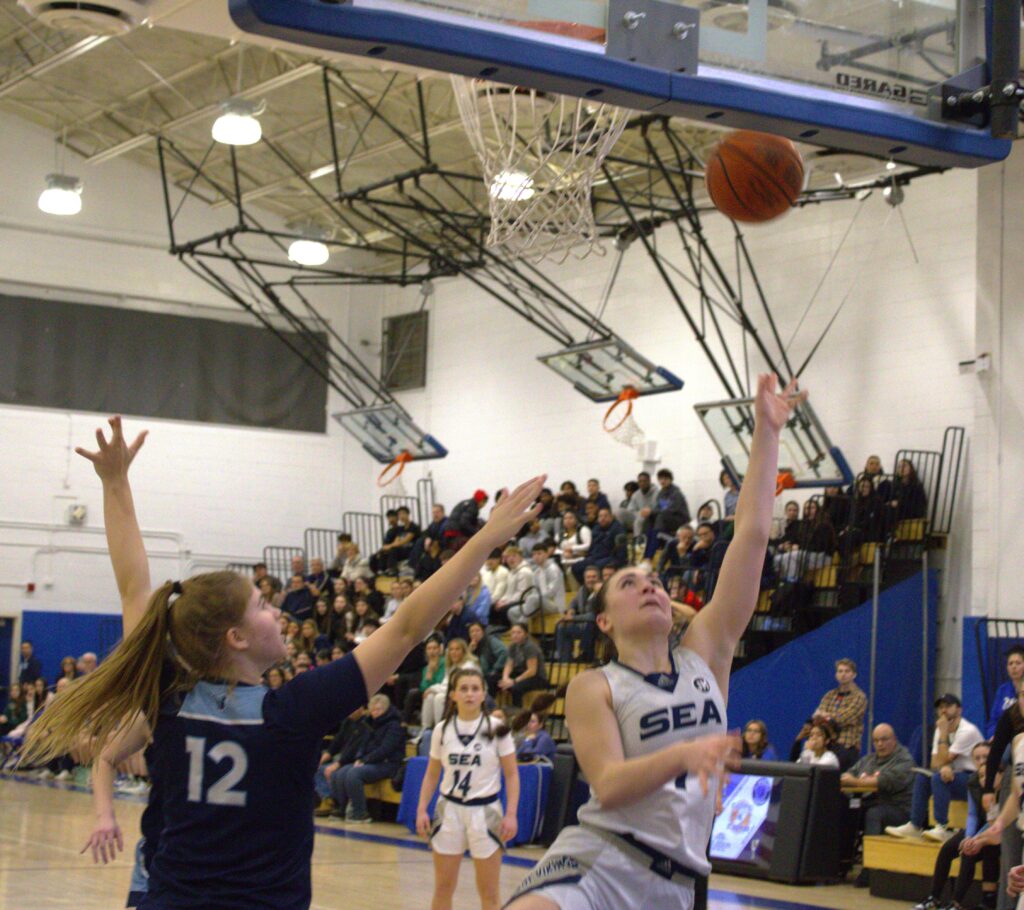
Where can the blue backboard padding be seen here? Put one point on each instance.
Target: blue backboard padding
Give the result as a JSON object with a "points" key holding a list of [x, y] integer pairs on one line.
{"points": [[754, 102]]}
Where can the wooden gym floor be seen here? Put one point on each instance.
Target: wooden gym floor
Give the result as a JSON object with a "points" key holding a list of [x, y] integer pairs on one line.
{"points": [[372, 867]]}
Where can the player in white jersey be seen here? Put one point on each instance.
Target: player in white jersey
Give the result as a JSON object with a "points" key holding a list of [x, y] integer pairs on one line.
{"points": [[649, 729], [472, 751]]}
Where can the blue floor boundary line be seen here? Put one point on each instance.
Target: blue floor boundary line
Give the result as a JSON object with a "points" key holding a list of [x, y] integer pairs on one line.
{"points": [[722, 897]]}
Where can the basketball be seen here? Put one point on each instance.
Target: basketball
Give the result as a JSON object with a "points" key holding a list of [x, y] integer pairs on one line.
{"points": [[754, 177]]}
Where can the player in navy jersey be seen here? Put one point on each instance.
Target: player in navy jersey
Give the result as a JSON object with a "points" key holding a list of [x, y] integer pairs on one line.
{"points": [[232, 761], [649, 728], [472, 752]]}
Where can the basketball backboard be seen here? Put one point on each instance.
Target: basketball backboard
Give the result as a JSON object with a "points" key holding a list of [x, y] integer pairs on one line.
{"points": [[602, 369], [804, 448], [387, 431], [861, 75]]}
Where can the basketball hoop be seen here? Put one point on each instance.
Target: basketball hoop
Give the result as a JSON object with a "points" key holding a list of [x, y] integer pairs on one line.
{"points": [[539, 153], [784, 481], [625, 430], [398, 462]]}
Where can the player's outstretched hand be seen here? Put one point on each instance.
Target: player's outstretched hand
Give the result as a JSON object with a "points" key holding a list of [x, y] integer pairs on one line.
{"points": [[105, 841], [423, 824], [509, 828], [1015, 881], [773, 409], [113, 458], [515, 509], [710, 756]]}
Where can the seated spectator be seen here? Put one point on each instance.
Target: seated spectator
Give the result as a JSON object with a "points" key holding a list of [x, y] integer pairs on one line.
{"points": [[836, 505], [524, 669], [299, 565], [971, 845], [323, 622], [298, 602], [317, 580], [868, 520], [464, 521], [307, 637], [456, 621], [954, 740], [624, 513], [817, 749], [341, 750], [275, 678], [430, 537], [400, 590], [590, 513], [573, 541], [365, 589], [890, 771], [520, 593], [595, 495], [607, 544], [259, 572], [303, 662], [873, 471], [548, 514], [431, 674], [533, 742], [366, 628], [549, 584], [814, 550], [323, 657], [478, 601], [379, 756], [29, 668], [755, 742], [272, 597], [730, 497], [457, 656], [674, 560], [531, 536], [337, 653], [669, 513], [578, 621], [16, 712], [490, 652], [356, 565], [340, 554], [570, 495], [68, 669], [788, 535], [292, 631], [843, 708], [637, 514], [495, 576], [700, 552], [909, 500]]}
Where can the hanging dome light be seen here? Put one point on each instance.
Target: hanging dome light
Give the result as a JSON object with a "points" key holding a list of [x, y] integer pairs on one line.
{"points": [[62, 196], [237, 125], [308, 252]]}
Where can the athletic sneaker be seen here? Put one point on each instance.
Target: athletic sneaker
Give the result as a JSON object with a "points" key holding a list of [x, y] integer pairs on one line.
{"points": [[909, 830], [939, 833], [139, 786], [64, 775], [929, 903], [44, 774]]}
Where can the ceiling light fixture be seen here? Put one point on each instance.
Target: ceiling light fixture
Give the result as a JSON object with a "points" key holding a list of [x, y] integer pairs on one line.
{"points": [[62, 196], [309, 248], [512, 186], [237, 125], [890, 165]]}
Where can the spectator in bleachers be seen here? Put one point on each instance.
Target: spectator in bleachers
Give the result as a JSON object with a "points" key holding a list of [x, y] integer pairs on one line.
{"points": [[818, 748], [464, 521], [607, 544], [478, 601], [843, 708], [590, 513], [391, 532], [573, 541], [531, 536], [364, 614], [729, 499], [642, 502], [889, 769], [303, 662], [337, 652], [1006, 695], [836, 506], [970, 845], [429, 561], [298, 602], [431, 674], [340, 751], [495, 576], [364, 588], [456, 623], [272, 597], [521, 591], [457, 656], [570, 495], [317, 580], [322, 621], [16, 712], [814, 549], [299, 566], [524, 669], [577, 623], [430, 537], [259, 572], [951, 762], [670, 511], [340, 554], [700, 552], [29, 667], [868, 518], [789, 533], [378, 757], [323, 657], [549, 584], [368, 627], [909, 500], [292, 631], [533, 742], [490, 651], [548, 514], [275, 678], [68, 669], [676, 557], [595, 495], [873, 471], [755, 742], [356, 565]]}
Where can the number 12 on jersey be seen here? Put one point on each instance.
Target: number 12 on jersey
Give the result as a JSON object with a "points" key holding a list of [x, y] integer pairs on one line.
{"points": [[221, 792]]}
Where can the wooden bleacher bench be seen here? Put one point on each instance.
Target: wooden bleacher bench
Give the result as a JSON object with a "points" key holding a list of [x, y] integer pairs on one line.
{"points": [[383, 583], [383, 791]]}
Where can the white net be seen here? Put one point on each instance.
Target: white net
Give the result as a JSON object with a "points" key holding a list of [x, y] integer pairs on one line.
{"points": [[629, 434], [540, 154]]}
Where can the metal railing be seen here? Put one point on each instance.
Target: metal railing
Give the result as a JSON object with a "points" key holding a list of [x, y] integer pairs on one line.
{"points": [[948, 481], [425, 494], [366, 528], [321, 543], [390, 501], [279, 560], [242, 568]]}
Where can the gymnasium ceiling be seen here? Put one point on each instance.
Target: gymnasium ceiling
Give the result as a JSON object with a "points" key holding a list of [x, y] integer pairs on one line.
{"points": [[110, 96]]}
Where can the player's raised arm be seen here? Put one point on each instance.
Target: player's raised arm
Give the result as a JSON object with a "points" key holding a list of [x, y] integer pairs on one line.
{"points": [[420, 612], [124, 539], [716, 630]]}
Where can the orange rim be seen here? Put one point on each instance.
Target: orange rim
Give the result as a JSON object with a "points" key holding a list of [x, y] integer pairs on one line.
{"points": [[567, 29], [627, 395], [399, 462], [784, 481]]}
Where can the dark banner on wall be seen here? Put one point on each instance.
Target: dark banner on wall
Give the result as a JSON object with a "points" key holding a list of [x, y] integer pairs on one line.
{"points": [[110, 360]]}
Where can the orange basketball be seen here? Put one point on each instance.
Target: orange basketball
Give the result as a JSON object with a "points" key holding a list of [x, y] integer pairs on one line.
{"points": [[754, 176]]}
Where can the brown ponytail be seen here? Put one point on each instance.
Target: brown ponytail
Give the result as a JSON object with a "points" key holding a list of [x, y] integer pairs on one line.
{"points": [[188, 631]]}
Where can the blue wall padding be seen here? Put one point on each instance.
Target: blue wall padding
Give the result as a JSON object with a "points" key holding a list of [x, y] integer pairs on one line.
{"points": [[971, 692], [56, 635], [784, 687]]}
